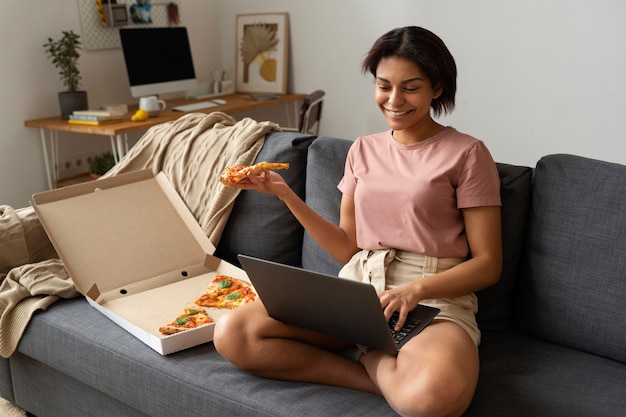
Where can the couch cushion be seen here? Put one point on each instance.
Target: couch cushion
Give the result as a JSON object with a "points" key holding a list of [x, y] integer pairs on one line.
{"points": [[521, 376], [73, 337], [6, 387], [260, 224], [44, 391], [573, 285], [495, 303], [324, 171]]}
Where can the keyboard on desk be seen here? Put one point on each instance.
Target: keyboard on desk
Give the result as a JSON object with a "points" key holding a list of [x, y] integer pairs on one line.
{"points": [[195, 106]]}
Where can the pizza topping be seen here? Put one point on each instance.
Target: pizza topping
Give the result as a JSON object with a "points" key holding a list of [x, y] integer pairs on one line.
{"points": [[223, 292], [224, 283], [191, 318], [232, 175], [226, 292]]}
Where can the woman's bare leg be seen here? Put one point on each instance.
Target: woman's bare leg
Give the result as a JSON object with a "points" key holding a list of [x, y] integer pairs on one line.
{"points": [[255, 342], [435, 373]]}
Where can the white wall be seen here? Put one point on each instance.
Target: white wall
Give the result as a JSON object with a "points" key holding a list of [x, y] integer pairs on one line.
{"points": [[535, 77]]}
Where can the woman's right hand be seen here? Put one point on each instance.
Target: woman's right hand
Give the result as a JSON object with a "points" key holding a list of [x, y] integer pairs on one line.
{"points": [[267, 182]]}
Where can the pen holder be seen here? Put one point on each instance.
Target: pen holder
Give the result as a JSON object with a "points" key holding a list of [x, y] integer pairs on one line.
{"points": [[227, 86]]}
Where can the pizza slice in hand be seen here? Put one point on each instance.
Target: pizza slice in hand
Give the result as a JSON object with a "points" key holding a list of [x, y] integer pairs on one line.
{"points": [[232, 175]]}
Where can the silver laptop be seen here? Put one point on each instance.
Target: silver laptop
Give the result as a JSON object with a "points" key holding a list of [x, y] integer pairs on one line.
{"points": [[338, 307]]}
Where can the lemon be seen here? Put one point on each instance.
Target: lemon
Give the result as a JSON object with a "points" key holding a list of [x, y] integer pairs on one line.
{"points": [[139, 116]]}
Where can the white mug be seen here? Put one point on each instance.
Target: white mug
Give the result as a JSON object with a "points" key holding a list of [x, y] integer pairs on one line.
{"points": [[152, 105]]}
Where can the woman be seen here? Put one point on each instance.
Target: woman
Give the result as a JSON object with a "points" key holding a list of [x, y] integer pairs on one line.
{"points": [[420, 220]]}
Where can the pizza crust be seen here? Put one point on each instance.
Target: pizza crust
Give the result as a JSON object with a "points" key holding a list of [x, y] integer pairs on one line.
{"points": [[232, 175]]}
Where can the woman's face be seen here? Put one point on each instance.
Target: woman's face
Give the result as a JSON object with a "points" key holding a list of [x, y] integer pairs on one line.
{"points": [[404, 95]]}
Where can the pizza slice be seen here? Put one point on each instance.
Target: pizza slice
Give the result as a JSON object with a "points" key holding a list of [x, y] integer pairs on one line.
{"points": [[226, 292], [232, 175], [191, 318]]}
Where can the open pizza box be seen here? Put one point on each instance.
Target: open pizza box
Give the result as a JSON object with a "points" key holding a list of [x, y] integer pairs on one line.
{"points": [[133, 248]]}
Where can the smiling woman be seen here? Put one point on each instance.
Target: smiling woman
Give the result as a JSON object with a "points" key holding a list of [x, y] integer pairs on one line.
{"points": [[410, 248]]}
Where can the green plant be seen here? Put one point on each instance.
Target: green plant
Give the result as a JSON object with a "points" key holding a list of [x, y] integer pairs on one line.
{"points": [[64, 55], [101, 164]]}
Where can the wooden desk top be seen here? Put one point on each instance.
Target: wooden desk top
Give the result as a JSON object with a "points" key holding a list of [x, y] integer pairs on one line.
{"points": [[235, 103]]}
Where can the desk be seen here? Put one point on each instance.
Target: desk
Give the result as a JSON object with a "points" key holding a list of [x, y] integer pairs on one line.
{"points": [[118, 130]]}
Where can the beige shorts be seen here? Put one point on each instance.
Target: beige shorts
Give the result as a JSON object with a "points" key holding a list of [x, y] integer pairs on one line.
{"points": [[390, 268]]}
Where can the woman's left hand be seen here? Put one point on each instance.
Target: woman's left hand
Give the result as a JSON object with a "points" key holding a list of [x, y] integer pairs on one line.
{"points": [[402, 299]]}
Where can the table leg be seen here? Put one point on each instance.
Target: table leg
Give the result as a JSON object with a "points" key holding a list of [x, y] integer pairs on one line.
{"points": [[116, 157], [119, 144], [50, 156], [125, 143]]}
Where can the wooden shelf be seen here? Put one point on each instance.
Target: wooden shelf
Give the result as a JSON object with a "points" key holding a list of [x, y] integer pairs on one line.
{"points": [[234, 103], [64, 182], [117, 130]]}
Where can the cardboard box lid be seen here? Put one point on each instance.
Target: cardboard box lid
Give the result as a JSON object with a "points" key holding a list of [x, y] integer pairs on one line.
{"points": [[131, 231]]}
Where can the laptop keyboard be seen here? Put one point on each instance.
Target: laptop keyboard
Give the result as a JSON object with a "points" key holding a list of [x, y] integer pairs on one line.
{"points": [[409, 325]]}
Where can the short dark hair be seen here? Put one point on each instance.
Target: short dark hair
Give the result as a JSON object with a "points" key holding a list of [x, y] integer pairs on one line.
{"points": [[425, 49]]}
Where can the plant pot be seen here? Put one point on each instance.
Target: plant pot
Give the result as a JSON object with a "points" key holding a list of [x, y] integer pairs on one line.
{"points": [[70, 101]]}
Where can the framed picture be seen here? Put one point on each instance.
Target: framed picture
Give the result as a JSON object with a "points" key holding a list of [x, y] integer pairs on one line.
{"points": [[262, 50]]}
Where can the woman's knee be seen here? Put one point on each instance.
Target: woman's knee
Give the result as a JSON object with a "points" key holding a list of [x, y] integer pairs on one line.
{"points": [[443, 377], [231, 336], [430, 402]]}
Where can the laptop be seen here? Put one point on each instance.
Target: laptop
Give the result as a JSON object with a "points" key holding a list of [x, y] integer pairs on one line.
{"points": [[338, 307]]}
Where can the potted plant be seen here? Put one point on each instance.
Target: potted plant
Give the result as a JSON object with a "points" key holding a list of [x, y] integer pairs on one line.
{"points": [[64, 55], [101, 164]]}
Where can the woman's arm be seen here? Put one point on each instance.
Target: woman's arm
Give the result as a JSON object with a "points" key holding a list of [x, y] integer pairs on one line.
{"points": [[338, 241], [484, 234]]}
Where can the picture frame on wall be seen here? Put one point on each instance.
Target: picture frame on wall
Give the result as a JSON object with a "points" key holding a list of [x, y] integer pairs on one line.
{"points": [[262, 52]]}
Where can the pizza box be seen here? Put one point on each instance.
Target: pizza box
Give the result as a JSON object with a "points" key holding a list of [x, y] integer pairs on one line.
{"points": [[135, 251]]}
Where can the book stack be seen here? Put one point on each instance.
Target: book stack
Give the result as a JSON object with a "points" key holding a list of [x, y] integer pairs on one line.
{"points": [[95, 117]]}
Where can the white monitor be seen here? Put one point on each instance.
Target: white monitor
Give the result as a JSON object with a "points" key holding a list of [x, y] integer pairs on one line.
{"points": [[158, 60]]}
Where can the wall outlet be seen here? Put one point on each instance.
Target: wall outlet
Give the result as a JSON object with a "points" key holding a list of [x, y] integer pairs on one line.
{"points": [[75, 165]]}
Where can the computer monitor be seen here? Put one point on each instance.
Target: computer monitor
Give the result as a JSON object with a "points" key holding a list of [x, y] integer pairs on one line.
{"points": [[158, 60]]}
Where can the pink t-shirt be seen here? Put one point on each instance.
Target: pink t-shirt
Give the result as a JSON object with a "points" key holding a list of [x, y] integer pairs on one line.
{"points": [[409, 197]]}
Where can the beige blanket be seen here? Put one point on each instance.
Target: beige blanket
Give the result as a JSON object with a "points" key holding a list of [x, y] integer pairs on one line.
{"points": [[26, 289], [31, 277], [22, 239], [192, 151]]}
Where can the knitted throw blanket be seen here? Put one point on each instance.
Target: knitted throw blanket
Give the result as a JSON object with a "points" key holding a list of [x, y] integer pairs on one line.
{"points": [[192, 151], [31, 277], [26, 289]]}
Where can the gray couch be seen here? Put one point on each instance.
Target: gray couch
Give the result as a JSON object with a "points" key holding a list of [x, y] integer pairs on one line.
{"points": [[554, 333]]}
